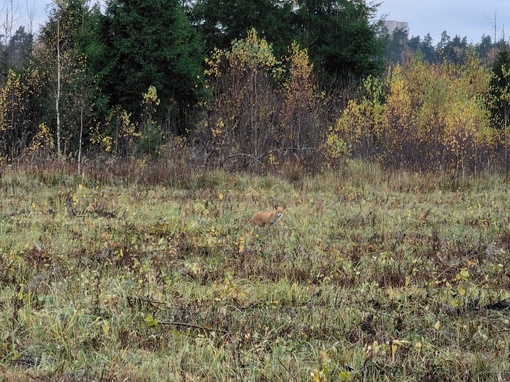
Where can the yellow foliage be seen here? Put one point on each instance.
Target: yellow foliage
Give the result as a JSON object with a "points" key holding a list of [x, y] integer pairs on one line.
{"points": [[300, 75], [151, 97], [42, 140], [300, 100], [10, 100], [427, 115], [118, 130], [240, 81], [219, 128], [252, 53], [18, 96]]}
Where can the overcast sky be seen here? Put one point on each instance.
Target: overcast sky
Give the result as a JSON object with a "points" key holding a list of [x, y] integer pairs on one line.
{"points": [[466, 18]]}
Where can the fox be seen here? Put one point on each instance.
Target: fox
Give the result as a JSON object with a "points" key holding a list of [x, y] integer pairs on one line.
{"points": [[262, 218]]}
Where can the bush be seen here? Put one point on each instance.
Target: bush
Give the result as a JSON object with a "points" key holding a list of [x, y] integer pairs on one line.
{"points": [[422, 116]]}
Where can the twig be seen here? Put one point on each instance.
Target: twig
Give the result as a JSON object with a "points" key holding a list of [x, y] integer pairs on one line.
{"points": [[192, 326], [293, 378]]}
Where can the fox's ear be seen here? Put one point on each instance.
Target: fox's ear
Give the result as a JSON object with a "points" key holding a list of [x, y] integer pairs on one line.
{"points": [[275, 207]]}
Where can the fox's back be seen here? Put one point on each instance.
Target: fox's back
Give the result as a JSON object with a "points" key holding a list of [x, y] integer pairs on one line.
{"points": [[263, 218]]}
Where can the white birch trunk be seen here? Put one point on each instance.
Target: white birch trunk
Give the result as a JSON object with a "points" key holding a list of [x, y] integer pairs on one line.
{"points": [[57, 98]]}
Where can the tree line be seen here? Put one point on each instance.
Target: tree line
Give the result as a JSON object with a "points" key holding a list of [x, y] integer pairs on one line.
{"points": [[241, 84], [400, 47]]}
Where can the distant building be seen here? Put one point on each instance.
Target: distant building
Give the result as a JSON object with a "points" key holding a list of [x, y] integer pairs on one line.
{"points": [[392, 26]]}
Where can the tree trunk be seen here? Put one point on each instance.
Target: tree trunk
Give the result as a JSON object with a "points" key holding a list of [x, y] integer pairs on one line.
{"points": [[57, 98]]}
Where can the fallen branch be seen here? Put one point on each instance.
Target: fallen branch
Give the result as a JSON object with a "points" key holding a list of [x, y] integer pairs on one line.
{"points": [[286, 151], [258, 159], [240, 155]]}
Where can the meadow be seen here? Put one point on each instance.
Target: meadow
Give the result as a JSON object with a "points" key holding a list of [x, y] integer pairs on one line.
{"points": [[371, 275]]}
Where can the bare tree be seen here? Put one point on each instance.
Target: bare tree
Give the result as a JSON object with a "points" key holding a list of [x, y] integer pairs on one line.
{"points": [[31, 16], [10, 8]]}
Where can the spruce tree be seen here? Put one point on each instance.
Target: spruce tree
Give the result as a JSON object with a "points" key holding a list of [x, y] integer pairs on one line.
{"points": [[222, 21], [499, 97], [340, 37], [152, 43]]}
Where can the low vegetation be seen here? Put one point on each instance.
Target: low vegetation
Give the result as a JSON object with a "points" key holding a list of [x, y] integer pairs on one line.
{"points": [[370, 275]]}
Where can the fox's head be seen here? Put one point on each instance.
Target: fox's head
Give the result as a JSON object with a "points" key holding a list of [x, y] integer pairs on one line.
{"points": [[278, 214], [279, 210]]}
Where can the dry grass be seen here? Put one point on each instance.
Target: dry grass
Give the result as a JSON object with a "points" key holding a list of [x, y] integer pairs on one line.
{"points": [[371, 275]]}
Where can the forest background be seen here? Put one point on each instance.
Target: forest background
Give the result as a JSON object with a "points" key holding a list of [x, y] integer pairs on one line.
{"points": [[246, 85]]}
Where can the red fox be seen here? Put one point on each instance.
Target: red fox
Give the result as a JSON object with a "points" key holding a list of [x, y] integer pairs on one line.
{"points": [[262, 218]]}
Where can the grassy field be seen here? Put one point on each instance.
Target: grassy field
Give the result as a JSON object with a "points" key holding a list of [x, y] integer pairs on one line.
{"points": [[371, 275]]}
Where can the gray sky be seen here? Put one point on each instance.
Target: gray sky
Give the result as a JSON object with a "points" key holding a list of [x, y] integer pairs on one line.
{"points": [[466, 18]]}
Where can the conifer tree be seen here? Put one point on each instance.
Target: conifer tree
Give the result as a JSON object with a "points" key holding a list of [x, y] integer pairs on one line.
{"points": [[340, 37], [220, 22], [500, 89], [152, 43]]}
